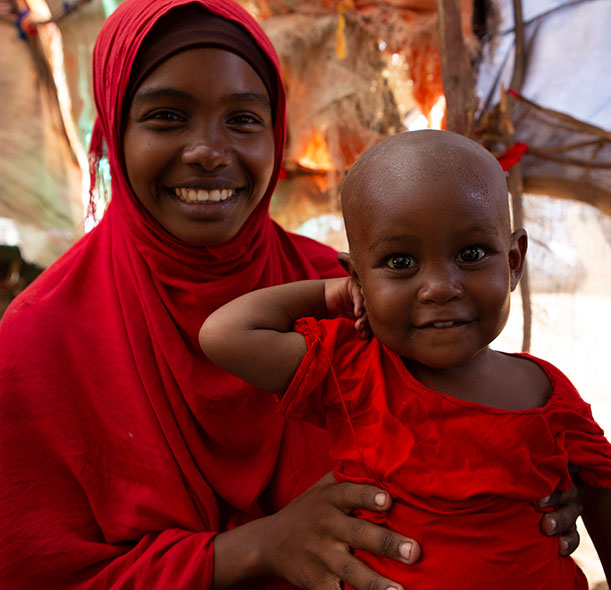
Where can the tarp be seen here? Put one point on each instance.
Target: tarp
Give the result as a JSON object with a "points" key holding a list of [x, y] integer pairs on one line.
{"points": [[563, 112]]}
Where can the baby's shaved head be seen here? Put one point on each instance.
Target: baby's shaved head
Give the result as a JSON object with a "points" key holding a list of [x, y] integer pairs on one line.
{"points": [[427, 162]]}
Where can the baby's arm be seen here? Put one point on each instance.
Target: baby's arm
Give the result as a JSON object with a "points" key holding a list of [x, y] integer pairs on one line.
{"points": [[597, 518], [253, 338]]}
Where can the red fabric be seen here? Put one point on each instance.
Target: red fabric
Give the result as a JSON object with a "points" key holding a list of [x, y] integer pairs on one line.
{"points": [[512, 155], [123, 449], [464, 477]]}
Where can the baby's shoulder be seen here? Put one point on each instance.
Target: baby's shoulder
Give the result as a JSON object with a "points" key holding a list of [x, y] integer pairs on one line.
{"points": [[529, 382]]}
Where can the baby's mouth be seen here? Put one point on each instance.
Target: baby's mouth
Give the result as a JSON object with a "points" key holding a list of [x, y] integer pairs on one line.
{"points": [[200, 196], [440, 324], [443, 324]]}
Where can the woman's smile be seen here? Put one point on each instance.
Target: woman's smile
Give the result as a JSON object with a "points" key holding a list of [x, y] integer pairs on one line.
{"points": [[201, 196], [201, 204], [205, 205]]}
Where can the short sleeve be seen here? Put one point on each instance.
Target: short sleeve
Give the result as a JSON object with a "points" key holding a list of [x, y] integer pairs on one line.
{"points": [[577, 432], [587, 448], [329, 381], [304, 397]]}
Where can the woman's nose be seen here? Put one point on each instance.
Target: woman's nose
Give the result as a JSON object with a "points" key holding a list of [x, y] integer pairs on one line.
{"points": [[440, 285], [209, 153]]}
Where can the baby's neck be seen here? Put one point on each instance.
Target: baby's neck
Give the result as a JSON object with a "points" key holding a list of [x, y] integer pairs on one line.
{"points": [[491, 379]]}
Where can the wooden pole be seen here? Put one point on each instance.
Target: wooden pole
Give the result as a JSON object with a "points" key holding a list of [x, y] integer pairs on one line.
{"points": [[456, 72], [515, 180]]}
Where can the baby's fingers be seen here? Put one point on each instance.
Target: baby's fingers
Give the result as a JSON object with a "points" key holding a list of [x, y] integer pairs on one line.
{"points": [[362, 327]]}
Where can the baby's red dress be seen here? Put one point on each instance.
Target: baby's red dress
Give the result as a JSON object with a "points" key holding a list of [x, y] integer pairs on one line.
{"points": [[464, 478]]}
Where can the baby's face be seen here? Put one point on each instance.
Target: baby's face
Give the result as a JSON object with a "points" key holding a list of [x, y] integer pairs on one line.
{"points": [[436, 261]]}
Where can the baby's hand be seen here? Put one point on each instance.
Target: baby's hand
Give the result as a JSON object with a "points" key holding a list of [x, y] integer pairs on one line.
{"points": [[344, 298], [362, 325]]}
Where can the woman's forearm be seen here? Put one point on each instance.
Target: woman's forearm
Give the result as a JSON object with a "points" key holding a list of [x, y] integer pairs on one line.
{"points": [[597, 518], [237, 555]]}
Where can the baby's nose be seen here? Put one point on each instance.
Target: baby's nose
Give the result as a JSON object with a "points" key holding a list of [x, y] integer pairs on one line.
{"points": [[440, 284]]}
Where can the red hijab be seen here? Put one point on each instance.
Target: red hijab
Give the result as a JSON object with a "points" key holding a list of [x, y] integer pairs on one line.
{"points": [[123, 449]]}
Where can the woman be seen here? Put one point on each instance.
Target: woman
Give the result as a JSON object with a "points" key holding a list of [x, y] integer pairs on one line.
{"points": [[116, 472]]}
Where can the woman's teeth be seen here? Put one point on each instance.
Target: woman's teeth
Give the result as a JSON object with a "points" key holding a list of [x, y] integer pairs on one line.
{"points": [[195, 195], [443, 324]]}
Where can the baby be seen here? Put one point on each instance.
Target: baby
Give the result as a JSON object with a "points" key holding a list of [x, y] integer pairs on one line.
{"points": [[464, 438]]}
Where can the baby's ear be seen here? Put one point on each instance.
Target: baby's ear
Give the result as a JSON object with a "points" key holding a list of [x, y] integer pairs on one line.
{"points": [[517, 256], [348, 265]]}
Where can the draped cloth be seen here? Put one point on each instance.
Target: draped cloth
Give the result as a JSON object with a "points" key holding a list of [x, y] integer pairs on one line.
{"points": [[123, 450]]}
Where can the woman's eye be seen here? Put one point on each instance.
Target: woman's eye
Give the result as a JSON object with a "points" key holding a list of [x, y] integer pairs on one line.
{"points": [[471, 254], [164, 116], [161, 119], [245, 120], [400, 262]]}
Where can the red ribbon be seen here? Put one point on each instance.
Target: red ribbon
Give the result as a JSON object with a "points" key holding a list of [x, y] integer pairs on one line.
{"points": [[512, 155]]}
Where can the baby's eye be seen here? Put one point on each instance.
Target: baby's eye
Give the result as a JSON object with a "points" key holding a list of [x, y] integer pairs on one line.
{"points": [[400, 262], [471, 254]]}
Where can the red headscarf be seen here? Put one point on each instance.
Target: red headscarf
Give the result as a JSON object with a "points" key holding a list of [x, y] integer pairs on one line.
{"points": [[123, 449]]}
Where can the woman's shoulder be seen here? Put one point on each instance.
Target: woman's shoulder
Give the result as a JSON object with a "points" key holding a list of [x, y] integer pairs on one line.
{"points": [[56, 289], [321, 256]]}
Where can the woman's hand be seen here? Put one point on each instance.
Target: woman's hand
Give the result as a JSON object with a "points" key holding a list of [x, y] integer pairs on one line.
{"points": [[563, 520], [308, 542]]}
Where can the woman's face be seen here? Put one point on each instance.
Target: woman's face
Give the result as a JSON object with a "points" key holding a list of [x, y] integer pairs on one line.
{"points": [[199, 145]]}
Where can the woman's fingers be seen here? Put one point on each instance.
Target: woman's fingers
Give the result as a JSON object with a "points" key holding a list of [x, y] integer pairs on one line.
{"points": [[355, 573], [569, 541], [362, 534], [558, 498], [562, 521], [350, 496], [310, 541]]}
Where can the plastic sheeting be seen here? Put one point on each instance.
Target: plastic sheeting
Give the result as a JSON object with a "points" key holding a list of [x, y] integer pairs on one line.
{"points": [[565, 113], [39, 179]]}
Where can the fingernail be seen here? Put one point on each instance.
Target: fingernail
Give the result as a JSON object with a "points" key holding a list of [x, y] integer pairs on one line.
{"points": [[380, 499], [405, 550], [564, 545], [554, 523], [544, 501]]}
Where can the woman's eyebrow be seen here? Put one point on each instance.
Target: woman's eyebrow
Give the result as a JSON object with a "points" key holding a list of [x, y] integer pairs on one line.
{"points": [[152, 93], [256, 97]]}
